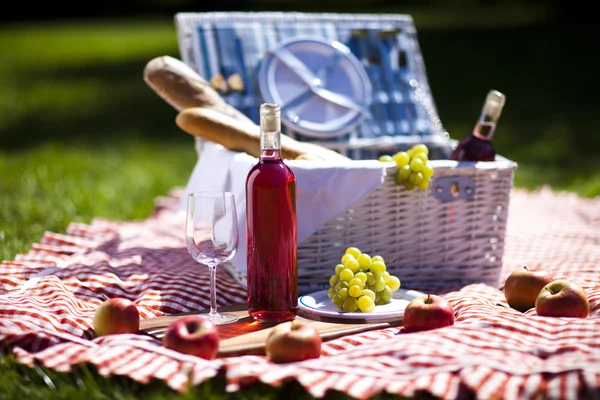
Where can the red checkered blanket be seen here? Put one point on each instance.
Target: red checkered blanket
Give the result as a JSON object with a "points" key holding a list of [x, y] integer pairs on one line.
{"points": [[48, 297]]}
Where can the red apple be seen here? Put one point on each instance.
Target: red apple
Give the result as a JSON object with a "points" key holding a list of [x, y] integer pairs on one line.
{"points": [[116, 315], [562, 298], [428, 312], [523, 286], [193, 335], [293, 341]]}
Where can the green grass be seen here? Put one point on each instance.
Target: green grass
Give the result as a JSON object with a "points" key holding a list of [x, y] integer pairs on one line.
{"points": [[82, 136], [45, 188], [18, 381]]}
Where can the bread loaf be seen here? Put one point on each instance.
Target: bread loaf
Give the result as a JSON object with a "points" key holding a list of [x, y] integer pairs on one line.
{"points": [[205, 114], [180, 86], [236, 135]]}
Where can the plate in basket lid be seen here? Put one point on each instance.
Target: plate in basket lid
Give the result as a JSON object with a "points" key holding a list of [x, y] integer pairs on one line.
{"points": [[322, 88]]}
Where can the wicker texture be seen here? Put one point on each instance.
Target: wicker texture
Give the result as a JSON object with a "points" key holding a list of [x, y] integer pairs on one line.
{"points": [[424, 241]]}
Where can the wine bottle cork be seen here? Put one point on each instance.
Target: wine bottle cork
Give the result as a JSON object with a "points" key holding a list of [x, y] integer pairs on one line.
{"points": [[494, 104], [270, 117]]}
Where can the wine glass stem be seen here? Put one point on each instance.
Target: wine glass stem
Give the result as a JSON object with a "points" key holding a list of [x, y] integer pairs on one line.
{"points": [[213, 289]]}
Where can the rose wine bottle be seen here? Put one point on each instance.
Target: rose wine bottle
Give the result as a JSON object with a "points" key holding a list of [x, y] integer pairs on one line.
{"points": [[478, 146], [272, 269]]}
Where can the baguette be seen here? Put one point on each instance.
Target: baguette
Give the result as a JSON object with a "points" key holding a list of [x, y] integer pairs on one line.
{"points": [[211, 125], [182, 87]]}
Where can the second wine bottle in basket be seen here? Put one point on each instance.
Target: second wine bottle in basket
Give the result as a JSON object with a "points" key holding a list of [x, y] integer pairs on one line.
{"points": [[478, 146]]}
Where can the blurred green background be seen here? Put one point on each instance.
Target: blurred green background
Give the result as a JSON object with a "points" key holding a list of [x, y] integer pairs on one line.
{"points": [[82, 136]]}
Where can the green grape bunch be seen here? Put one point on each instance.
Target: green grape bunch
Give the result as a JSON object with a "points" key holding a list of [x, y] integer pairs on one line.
{"points": [[414, 167], [361, 282]]}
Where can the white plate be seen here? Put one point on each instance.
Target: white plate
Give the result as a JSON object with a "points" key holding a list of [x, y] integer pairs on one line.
{"points": [[318, 303], [337, 71]]}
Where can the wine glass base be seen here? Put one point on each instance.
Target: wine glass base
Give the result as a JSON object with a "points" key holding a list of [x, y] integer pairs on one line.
{"points": [[221, 318]]}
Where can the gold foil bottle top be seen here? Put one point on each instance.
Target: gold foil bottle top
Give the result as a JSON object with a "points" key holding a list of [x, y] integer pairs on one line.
{"points": [[494, 103], [270, 117]]}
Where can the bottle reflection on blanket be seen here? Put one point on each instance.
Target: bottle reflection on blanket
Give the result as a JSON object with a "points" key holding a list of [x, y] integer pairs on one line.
{"points": [[272, 266]]}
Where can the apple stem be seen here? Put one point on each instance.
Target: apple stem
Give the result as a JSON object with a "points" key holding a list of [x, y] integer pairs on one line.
{"points": [[548, 289], [191, 327], [428, 298], [525, 268]]}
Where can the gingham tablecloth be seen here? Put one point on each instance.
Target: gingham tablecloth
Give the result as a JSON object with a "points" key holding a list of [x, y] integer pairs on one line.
{"points": [[48, 297]]}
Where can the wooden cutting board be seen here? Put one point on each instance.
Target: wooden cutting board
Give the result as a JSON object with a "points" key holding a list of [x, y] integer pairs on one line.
{"points": [[247, 336]]}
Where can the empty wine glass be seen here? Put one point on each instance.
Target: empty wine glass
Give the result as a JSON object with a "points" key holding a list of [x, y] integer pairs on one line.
{"points": [[212, 238]]}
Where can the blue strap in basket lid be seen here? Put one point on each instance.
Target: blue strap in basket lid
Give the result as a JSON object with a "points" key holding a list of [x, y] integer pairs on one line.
{"points": [[322, 88]]}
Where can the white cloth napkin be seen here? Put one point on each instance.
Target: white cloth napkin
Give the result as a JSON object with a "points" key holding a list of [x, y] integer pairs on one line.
{"points": [[323, 190]]}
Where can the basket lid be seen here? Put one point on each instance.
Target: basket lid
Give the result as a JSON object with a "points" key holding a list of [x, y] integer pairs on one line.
{"points": [[322, 88], [401, 107]]}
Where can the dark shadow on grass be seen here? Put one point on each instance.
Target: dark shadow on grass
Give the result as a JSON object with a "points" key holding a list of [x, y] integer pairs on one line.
{"points": [[121, 103]]}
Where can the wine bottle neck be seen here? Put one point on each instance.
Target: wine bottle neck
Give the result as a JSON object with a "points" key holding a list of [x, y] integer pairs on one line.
{"points": [[270, 145], [484, 130], [270, 131]]}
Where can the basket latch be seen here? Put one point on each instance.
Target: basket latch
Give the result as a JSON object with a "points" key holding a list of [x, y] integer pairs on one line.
{"points": [[453, 188]]}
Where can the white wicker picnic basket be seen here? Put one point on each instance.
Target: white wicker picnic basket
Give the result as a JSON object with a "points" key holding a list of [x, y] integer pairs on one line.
{"points": [[452, 233]]}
